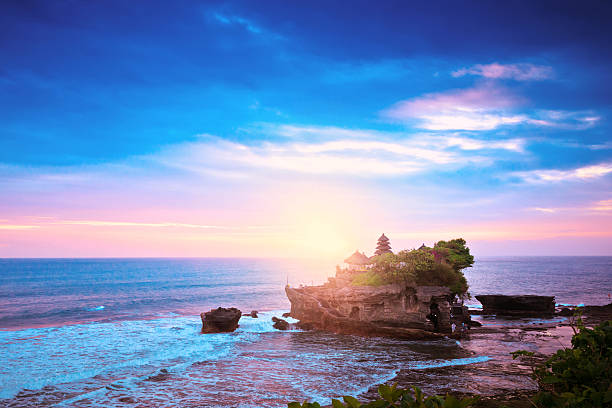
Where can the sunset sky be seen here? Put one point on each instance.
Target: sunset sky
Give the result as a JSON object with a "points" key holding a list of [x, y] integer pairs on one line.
{"points": [[284, 128]]}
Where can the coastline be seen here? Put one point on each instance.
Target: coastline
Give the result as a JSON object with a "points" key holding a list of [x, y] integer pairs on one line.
{"points": [[499, 381]]}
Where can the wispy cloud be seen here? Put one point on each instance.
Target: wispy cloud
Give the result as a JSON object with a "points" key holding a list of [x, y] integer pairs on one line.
{"points": [[428, 140], [544, 210], [337, 152], [576, 120], [602, 205], [577, 174], [519, 72], [17, 227], [481, 108], [237, 20]]}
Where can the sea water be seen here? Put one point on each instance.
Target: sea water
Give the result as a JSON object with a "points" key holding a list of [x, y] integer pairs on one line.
{"points": [[118, 332]]}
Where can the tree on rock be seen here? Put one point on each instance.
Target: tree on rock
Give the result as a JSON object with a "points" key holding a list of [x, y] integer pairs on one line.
{"points": [[383, 246]]}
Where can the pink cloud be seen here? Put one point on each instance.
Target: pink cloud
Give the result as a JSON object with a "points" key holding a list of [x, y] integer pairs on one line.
{"points": [[480, 108], [519, 72]]}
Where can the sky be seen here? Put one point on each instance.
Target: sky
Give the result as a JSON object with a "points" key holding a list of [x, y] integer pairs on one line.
{"points": [[284, 129]]}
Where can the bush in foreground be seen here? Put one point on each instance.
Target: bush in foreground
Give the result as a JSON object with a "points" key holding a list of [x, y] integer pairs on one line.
{"points": [[393, 397], [577, 377]]}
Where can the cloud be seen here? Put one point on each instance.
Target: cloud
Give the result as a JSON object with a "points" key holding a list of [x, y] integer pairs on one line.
{"points": [[17, 227], [479, 108], [335, 151], [576, 120], [601, 146], [340, 157], [544, 210], [237, 20], [578, 174], [602, 205], [513, 145], [518, 72]]}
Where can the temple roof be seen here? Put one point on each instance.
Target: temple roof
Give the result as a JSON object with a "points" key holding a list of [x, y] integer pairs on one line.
{"points": [[358, 258], [383, 238]]}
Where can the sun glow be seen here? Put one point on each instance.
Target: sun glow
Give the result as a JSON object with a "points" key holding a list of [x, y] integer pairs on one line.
{"points": [[321, 238]]}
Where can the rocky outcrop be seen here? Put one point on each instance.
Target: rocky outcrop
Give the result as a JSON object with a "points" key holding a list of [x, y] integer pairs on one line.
{"points": [[253, 314], [397, 311], [220, 320], [517, 305], [280, 324]]}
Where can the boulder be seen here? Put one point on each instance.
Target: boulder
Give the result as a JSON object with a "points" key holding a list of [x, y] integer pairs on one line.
{"points": [[280, 324], [220, 320], [287, 314], [517, 305], [253, 314]]}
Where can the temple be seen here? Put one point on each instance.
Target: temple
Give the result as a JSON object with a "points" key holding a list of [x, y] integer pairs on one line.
{"points": [[400, 310], [357, 262], [383, 245]]}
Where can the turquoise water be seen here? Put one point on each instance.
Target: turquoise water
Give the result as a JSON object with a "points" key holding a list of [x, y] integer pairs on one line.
{"points": [[116, 332]]}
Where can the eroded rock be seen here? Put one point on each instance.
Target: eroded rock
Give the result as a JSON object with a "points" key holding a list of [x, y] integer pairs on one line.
{"points": [[220, 320], [390, 311], [280, 324]]}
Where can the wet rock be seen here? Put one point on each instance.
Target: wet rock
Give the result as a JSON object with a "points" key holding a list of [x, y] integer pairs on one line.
{"points": [[162, 375], [474, 323], [280, 324], [597, 314], [388, 311], [287, 314], [305, 326], [517, 305], [253, 314], [220, 320], [127, 400]]}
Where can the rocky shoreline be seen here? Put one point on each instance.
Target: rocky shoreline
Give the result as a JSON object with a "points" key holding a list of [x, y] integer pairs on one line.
{"points": [[484, 364], [501, 381]]}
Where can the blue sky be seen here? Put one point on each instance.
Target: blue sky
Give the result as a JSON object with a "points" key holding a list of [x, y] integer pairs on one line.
{"points": [[441, 116]]}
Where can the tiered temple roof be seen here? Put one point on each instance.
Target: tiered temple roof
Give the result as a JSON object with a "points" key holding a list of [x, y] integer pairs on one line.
{"points": [[383, 245]]}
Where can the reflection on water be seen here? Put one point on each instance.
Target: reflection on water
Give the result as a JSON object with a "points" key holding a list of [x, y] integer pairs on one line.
{"points": [[156, 361]]}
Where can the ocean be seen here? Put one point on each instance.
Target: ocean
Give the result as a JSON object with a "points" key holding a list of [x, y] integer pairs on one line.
{"points": [[118, 332]]}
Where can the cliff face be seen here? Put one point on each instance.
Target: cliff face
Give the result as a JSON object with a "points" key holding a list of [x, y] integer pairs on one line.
{"points": [[390, 310]]}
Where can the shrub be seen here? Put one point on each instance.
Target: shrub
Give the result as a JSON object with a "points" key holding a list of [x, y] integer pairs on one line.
{"points": [[455, 253], [393, 397], [577, 377], [438, 266], [369, 278]]}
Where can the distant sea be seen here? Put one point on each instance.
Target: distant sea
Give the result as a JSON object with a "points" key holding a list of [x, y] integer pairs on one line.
{"points": [[113, 332]]}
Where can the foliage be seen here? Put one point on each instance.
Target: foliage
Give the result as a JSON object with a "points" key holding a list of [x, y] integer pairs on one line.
{"points": [[393, 397], [369, 278], [577, 377], [405, 266], [439, 266], [455, 253]]}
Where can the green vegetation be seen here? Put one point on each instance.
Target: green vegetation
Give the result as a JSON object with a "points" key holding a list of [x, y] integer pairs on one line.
{"points": [[369, 278], [393, 397], [577, 377], [441, 265]]}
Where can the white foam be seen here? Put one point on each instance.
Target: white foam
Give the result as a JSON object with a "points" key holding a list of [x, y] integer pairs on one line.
{"points": [[421, 365]]}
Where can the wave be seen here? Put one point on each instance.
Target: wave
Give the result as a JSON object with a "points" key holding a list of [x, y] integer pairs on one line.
{"points": [[421, 365]]}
